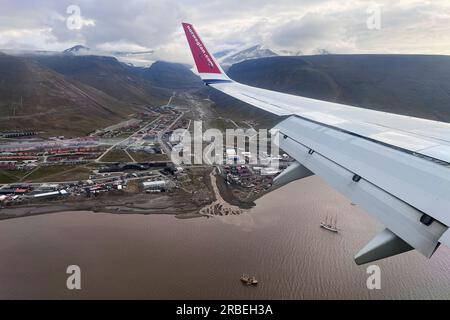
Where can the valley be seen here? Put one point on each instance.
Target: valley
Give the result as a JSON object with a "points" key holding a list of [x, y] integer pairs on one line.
{"points": [[108, 125]]}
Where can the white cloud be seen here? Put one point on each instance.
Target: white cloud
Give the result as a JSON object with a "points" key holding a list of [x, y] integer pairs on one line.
{"points": [[408, 26]]}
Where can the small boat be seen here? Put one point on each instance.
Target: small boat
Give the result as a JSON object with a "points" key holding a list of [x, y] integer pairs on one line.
{"points": [[249, 280], [330, 225]]}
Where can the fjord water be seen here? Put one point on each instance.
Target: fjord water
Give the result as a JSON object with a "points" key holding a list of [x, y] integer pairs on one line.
{"points": [[158, 256]]}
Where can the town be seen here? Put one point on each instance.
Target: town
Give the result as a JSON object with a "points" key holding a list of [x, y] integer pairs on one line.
{"points": [[128, 158]]}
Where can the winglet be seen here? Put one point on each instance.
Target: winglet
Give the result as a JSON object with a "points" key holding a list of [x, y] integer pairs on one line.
{"points": [[385, 244], [207, 66]]}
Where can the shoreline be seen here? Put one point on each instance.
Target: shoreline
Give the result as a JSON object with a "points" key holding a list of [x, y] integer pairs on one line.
{"points": [[180, 204], [126, 204]]}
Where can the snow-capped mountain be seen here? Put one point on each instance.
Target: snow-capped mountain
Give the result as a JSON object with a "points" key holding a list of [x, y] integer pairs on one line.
{"points": [[132, 58], [227, 58], [77, 50], [223, 53]]}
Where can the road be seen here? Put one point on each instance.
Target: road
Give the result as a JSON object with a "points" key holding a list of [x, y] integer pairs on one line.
{"points": [[170, 99], [135, 133], [132, 159], [220, 202], [167, 150], [121, 141], [94, 180]]}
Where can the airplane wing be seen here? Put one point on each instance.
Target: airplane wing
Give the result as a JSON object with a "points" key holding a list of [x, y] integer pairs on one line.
{"points": [[395, 167]]}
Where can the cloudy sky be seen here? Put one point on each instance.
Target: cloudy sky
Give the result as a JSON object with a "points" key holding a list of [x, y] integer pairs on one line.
{"points": [[339, 26]]}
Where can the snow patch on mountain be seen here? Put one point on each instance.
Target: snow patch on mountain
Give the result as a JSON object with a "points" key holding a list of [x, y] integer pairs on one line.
{"points": [[133, 58], [228, 57], [78, 50]]}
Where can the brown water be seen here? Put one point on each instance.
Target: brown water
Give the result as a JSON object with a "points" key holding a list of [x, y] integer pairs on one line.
{"points": [[159, 256]]}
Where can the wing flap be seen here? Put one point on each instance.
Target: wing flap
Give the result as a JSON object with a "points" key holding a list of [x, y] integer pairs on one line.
{"points": [[421, 183], [385, 244]]}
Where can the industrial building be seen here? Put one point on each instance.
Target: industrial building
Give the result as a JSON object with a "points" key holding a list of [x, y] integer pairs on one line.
{"points": [[268, 171], [158, 185], [15, 191], [51, 195], [48, 187]]}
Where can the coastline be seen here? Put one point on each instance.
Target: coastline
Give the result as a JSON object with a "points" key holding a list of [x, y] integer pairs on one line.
{"points": [[124, 204], [181, 203]]}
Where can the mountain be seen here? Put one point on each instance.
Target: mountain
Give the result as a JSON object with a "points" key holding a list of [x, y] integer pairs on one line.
{"points": [[35, 97], [78, 49], [69, 94], [415, 85], [228, 58], [73, 95], [223, 53], [171, 76], [106, 74]]}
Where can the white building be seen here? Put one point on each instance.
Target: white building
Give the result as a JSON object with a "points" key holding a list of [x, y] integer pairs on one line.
{"points": [[52, 194], [154, 185], [269, 171], [232, 157], [48, 187]]}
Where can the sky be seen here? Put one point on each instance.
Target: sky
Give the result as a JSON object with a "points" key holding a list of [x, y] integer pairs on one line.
{"points": [[338, 26]]}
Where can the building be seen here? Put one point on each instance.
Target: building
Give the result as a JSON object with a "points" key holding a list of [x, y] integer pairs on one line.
{"points": [[51, 195], [14, 191], [269, 171], [178, 148], [232, 157], [48, 187], [158, 185]]}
